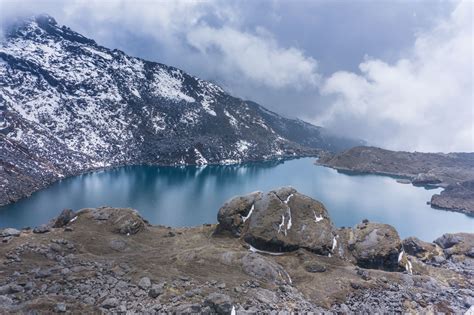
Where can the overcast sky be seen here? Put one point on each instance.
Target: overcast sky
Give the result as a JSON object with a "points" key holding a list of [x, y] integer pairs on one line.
{"points": [[398, 73]]}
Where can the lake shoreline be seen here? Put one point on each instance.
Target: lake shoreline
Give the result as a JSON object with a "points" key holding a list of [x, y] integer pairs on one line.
{"points": [[26, 192], [453, 171], [190, 195]]}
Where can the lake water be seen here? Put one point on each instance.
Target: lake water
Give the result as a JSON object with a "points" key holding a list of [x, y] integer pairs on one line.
{"points": [[187, 196]]}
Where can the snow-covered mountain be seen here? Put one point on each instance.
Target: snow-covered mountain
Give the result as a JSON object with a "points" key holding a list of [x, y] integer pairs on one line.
{"points": [[68, 105]]}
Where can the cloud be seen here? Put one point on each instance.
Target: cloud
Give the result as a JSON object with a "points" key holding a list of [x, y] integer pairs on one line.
{"points": [[257, 57], [421, 102]]}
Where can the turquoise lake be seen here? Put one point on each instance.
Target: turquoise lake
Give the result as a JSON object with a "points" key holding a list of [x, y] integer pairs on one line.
{"points": [[187, 196]]}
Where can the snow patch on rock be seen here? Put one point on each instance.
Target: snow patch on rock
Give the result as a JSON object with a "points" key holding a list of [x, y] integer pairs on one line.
{"points": [[169, 85]]}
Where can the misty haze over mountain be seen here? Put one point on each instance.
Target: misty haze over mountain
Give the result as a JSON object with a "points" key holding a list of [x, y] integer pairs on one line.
{"points": [[366, 69]]}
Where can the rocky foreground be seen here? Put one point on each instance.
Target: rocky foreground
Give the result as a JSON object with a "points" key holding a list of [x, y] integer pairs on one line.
{"points": [[275, 251], [452, 171]]}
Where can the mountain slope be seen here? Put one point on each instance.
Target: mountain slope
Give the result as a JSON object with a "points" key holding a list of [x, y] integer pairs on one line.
{"points": [[68, 105]]}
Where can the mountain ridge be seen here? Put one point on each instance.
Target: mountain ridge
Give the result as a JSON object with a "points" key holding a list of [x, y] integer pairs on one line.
{"points": [[69, 105], [453, 171]]}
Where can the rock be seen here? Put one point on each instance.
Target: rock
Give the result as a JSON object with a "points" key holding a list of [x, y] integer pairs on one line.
{"points": [[124, 221], [110, 303], [29, 285], [13, 256], [422, 250], [41, 229], [235, 212], [355, 286], [447, 240], [439, 259], [189, 309], [64, 218], [363, 274], [264, 296], [4, 289], [403, 181], [10, 232], [425, 179], [7, 239], [15, 288], [457, 244], [42, 273], [314, 267], [170, 234], [55, 247], [375, 246], [144, 283], [60, 308], [470, 253], [5, 303], [284, 220], [262, 268], [117, 245], [130, 224], [219, 303], [11, 289], [156, 290]]}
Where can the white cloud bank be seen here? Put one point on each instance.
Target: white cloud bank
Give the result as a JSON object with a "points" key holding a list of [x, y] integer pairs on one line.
{"points": [[256, 56], [424, 102]]}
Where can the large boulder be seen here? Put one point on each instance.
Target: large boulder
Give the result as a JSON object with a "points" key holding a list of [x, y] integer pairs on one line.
{"points": [[44, 228], [9, 232], [448, 240], [119, 220], [421, 250], [219, 303], [375, 246], [233, 214], [262, 268], [280, 220], [64, 218], [457, 244]]}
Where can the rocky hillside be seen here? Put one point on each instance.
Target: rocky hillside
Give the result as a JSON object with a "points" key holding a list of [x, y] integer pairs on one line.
{"points": [[275, 251], [453, 171], [68, 105]]}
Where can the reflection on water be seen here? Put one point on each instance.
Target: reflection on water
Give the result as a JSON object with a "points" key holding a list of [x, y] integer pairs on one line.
{"points": [[186, 196]]}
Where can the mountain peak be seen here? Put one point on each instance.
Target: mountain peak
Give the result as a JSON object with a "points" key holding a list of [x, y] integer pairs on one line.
{"points": [[43, 26], [45, 19]]}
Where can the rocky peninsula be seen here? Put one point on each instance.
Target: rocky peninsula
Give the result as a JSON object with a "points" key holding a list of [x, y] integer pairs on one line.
{"points": [[452, 171], [273, 251]]}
